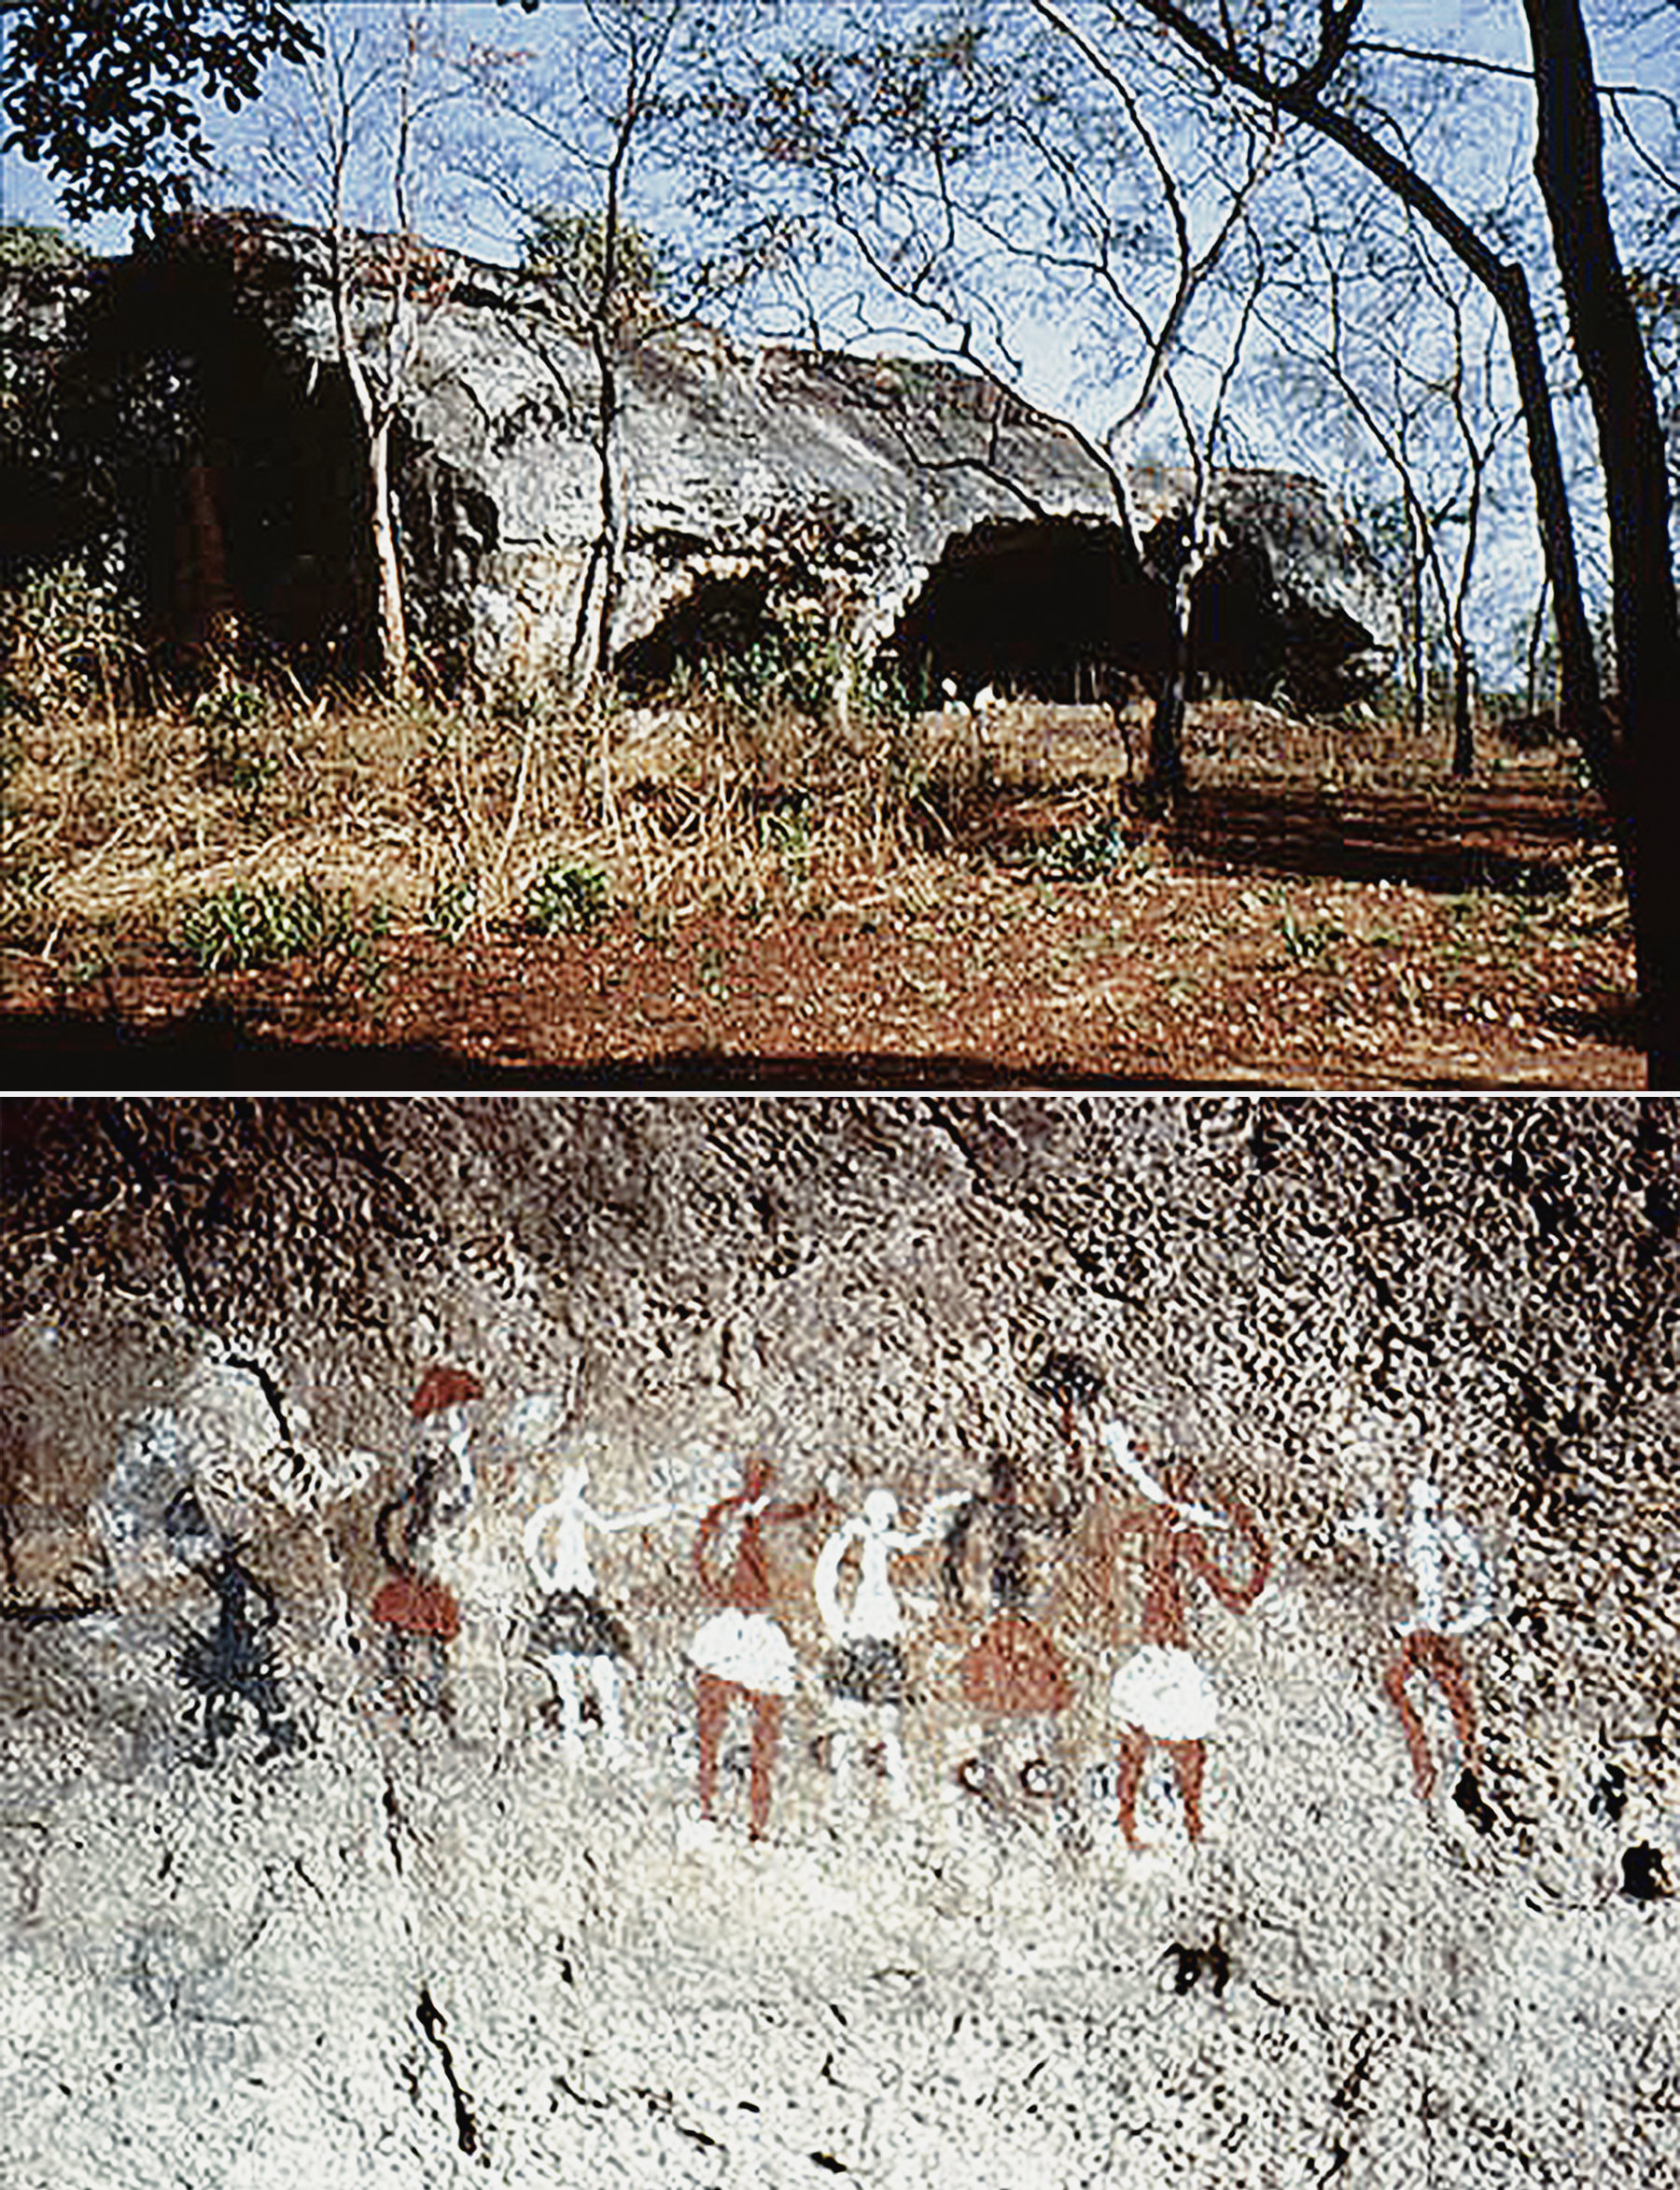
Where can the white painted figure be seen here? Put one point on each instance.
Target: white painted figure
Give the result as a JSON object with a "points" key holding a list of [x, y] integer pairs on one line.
{"points": [[1428, 1537], [574, 1635], [1429, 1641], [866, 1672]]}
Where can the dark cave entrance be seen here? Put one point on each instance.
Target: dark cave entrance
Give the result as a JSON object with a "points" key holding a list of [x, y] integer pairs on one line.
{"points": [[1063, 610], [230, 475], [227, 471], [723, 623], [1047, 609]]}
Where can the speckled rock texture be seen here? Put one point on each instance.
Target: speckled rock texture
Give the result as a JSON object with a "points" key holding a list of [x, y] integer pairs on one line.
{"points": [[319, 1862]]}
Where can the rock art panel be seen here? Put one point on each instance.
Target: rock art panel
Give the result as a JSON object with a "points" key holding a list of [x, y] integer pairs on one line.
{"points": [[1219, 1784]]}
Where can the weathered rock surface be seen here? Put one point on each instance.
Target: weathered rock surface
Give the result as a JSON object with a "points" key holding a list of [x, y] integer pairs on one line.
{"points": [[862, 503], [283, 1899]]}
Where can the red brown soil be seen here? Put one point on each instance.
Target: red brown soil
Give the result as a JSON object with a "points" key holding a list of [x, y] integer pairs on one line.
{"points": [[1276, 939]]}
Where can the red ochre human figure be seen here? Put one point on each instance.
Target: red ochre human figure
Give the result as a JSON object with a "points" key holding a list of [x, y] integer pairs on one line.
{"points": [[741, 1652], [417, 1611], [1011, 1672], [1429, 1643], [1159, 1693]]}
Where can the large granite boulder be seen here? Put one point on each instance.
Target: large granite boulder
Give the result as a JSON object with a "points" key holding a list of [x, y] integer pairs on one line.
{"points": [[330, 1854], [868, 504]]}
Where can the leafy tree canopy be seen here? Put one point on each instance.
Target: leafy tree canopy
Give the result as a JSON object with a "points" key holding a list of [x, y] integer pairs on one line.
{"points": [[26, 243], [105, 94], [600, 272]]}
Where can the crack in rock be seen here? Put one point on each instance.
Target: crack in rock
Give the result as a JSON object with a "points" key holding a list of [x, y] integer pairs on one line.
{"points": [[431, 2022]]}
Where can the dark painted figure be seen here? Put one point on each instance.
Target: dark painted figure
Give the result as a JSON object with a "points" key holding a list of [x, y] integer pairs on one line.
{"points": [[1011, 1670], [1073, 1385], [418, 1612], [232, 1666]]}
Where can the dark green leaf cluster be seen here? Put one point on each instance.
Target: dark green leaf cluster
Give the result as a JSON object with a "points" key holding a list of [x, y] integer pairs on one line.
{"points": [[238, 930], [600, 274], [566, 900], [108, 94], [25, 246], [67, 634]]}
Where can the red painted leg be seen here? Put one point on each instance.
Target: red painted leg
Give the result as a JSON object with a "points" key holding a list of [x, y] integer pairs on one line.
{"points": [[713, 1708], [1394, 1681], [767, 1730], [1134, 1748], [1189, 1760], [1448, 1669]]}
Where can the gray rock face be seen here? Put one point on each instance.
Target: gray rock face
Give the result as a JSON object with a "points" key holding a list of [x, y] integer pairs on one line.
{"points": [[307, 1873], [866, 503]]}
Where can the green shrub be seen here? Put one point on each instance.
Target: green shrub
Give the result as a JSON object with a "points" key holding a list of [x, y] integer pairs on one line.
{"points": [[564, 901], [231, 704], [66, 636], [1307, 941], [567, 251], [227, 713], [450, 909], [1081, 855], [240, 928], [23, 901], [24, 243]]}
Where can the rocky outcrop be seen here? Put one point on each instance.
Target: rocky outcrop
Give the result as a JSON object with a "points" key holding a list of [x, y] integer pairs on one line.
{"points": [[866, 503], [319, 1860]]}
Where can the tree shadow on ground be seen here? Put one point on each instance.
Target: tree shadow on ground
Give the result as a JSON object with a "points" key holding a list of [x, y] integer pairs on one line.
{"points": [[210, 1051], [1513, 840]]}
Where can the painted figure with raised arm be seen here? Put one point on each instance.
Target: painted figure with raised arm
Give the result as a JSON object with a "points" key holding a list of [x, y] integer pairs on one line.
{"points": [[1429, 1641], [574, 1633], [741, 1652], [1160, 1694], [866, 1672]]}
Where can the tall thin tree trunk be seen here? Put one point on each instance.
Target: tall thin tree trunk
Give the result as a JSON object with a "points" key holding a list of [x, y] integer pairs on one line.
{"points": [[1420, 652], [1536, 632], [393, 628], [591, 652], [1644, 791], [1463, 709], [377, 418], [1164, 767]]}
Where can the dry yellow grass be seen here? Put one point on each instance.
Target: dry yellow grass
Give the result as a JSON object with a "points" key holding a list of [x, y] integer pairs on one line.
{"points": [[115, 820], [451, 814]]}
